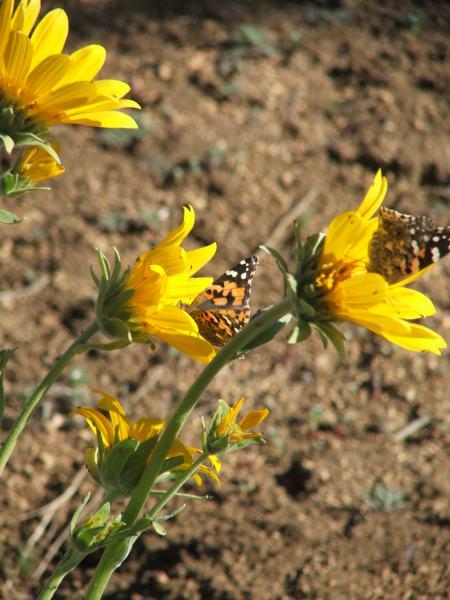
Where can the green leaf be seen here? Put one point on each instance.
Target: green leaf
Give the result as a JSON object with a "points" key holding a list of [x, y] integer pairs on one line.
{"points": [[8, 217], [172, 514], [7, 142]]}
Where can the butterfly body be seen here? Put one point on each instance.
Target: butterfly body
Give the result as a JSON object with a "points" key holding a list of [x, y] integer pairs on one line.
{"points": [[404, 244], [223, 309]]}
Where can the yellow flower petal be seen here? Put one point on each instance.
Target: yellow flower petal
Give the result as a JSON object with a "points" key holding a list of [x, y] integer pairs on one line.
{"points": [[50, 35], [253, 418], [31, 11], [146, 428], [406, 304], [98, 423], [6, 11], [170, 319], [197, 259], [193, 345], [374, 197], [48, 73], [18, 56], [185, 290], [182, 231], [418, 339], [85, 63], [104, 119], [112, 87]]}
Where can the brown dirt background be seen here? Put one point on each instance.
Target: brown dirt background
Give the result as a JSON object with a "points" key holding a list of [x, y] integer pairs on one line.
{"points": [[333, 507]]}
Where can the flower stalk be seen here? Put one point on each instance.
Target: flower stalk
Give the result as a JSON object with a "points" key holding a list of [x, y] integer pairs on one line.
{"points": [[69, 561], [109, 563]]}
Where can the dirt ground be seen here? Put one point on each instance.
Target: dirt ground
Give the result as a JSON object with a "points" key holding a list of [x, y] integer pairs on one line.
{"points": [[248, 109]]}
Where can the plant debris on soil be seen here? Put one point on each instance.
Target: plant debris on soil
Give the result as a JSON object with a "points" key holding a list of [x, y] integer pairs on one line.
{"points": [[247, 109]]}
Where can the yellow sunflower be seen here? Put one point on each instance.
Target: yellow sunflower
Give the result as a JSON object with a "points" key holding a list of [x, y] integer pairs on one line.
{"points": [[235, 430], [45, 87], [37, 165], [112, 427], [350, 292], [162, 281]]}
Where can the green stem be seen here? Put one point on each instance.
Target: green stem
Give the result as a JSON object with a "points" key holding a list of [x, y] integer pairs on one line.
{"points": [[70, 560], [263, 320], [167, 496], [11, 440], [108, 563]]}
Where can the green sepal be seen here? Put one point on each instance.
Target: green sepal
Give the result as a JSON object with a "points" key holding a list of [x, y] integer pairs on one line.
{"points": [[244, 443], [304, 309], [9, 183], [313, 245], [103, 263], [281, 263], [94, 277], [266, 335], [96, 526], [135, 465], [115, 328], [77, 513], [291, 281], [8, 142], [172, 463], [5, 355], [216, 445], [7, 118], [329, 332], [158, 528], [114, 462], [102, 513], [300, 333], [31, 139], [14, 185]]}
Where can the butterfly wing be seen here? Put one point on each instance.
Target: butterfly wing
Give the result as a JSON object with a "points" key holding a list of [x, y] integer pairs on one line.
{"points": [[223, 309], [404, 244]]}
